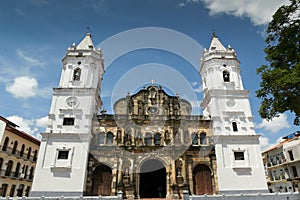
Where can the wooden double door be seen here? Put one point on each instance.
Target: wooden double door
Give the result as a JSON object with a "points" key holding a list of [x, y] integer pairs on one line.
{"points": [[102, 179], [202, 180]]}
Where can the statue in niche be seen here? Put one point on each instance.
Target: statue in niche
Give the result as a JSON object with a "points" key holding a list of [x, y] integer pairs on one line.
{"points": [[178, 171]]}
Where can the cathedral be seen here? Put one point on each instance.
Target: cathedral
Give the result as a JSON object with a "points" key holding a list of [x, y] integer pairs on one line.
{"points": [[151, 146]]}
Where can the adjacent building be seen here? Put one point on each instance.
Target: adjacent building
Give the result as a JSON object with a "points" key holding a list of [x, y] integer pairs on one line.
{"points": [[18, 156], [151, 146], [282, 164]]}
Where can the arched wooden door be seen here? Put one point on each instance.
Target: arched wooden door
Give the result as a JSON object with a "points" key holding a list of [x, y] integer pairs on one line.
{"points": [[102, 178], [202, 180]]}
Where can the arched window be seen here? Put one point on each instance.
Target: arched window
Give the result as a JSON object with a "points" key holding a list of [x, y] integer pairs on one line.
{"points": [[12, 190], [9, 168], [34, 155], [4, 189], [15, 147], [101, 138], [22, 150], [234, 126], [148, 139], [203, 138], [29, 152], [109, 138], [27, 191], [226, 76], [76, 74], [20, 190], [1, 162], [194, 139], [5, 144], [17, 170], [31, 173], [157, 139]]}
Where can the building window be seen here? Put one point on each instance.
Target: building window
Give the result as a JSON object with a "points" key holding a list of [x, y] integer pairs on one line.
{"points": [[17, 170], [12, 190], [234, 126], [22, 150], [226, 76], [203, 138], [239, 155], [5, 144], [101, 138], [29, 152], [109, 138], [195, 139], [294, 169], [68, 121], [63, 155], [76, 75], [27, 191], [35, 155], [157, 139], [4, 188], [291, 155], [15, 147], [20, 190], [9, 168], [148, 139], [1, 162], [31, 173]]}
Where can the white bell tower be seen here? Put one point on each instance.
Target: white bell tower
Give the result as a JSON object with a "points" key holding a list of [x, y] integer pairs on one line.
{"points": [[239, 162], [62, 162]]}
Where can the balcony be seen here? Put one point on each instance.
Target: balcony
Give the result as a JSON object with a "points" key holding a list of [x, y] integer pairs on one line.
{"points": [[16, 175], [12, 152]]}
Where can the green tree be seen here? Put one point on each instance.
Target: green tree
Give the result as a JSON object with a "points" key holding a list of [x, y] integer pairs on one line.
{"points": [[280, 80]]}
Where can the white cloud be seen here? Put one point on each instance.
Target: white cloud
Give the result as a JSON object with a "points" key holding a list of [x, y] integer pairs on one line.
{"points": [[23, 87], [29, 126], [29, 60], [41, 122], [24, 124], [260, 12], [264, 143], [276, 124]]}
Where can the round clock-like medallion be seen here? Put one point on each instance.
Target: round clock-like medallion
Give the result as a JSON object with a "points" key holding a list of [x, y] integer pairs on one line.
{"points": [[230, 103], [153, 110], [72, 102]]}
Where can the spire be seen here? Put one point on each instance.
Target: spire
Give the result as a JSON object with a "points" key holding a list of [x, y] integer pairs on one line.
{"points": [[86, 43], [216, 44]]}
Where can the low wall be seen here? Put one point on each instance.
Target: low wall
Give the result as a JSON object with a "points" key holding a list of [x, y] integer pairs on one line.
{"points": [[265, 196], [119, 197]]}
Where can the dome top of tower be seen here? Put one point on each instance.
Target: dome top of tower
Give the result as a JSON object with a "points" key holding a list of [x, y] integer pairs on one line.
{"points": [[216, 44], [86, 43]]}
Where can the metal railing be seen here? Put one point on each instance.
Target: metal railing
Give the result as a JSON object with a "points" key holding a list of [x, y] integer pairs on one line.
{"points": [[16, 175], [17, 153]]}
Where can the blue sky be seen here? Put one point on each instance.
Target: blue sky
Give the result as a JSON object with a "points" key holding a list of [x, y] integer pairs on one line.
{"points": [[35, 34]]}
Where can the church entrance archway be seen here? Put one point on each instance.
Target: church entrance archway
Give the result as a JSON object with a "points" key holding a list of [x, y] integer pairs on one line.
{"points": [[202, 180], [102, 178], [153, 179]]}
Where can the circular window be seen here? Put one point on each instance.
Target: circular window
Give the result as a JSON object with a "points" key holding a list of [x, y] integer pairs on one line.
{"points": [[153, 110]]}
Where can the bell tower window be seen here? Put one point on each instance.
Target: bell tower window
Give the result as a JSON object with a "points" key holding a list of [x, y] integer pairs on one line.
{"points": [[226, 76], [234, 126], [76, 74]]}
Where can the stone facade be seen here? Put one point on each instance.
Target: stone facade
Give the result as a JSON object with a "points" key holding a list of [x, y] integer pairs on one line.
{"points": [[154, 129], [151, 146]]}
